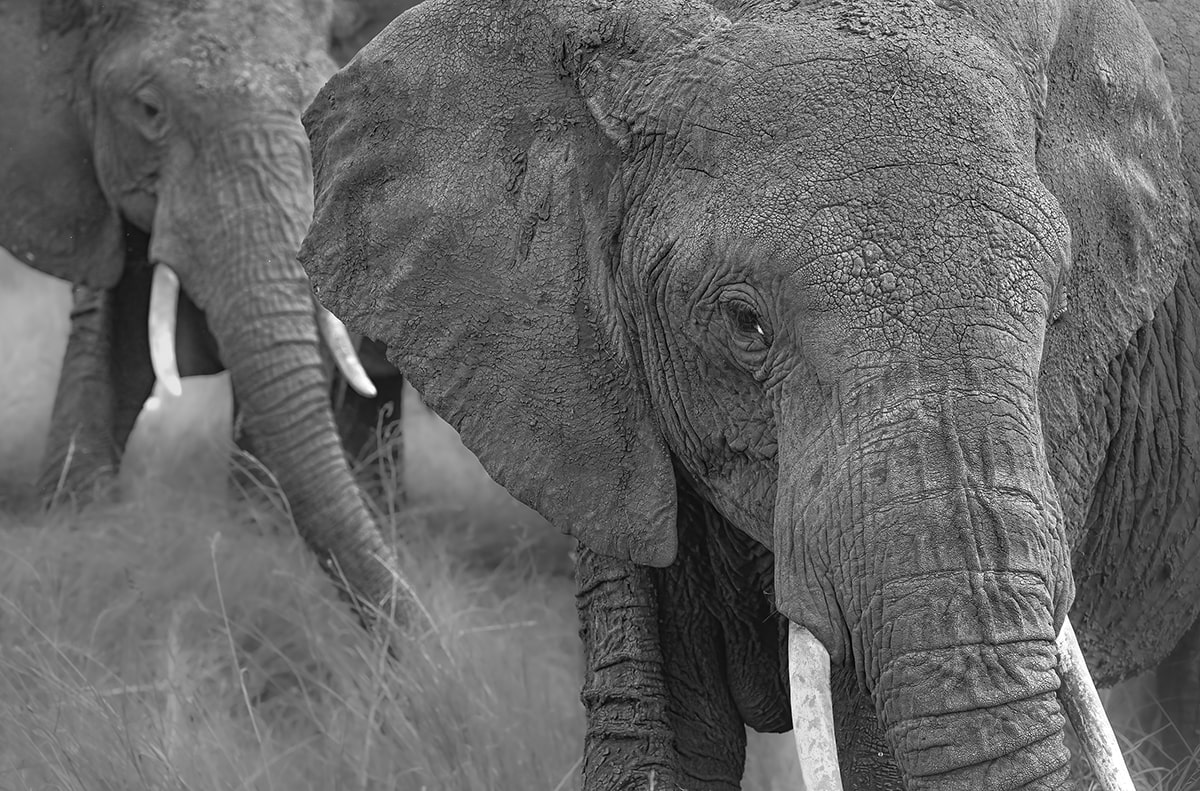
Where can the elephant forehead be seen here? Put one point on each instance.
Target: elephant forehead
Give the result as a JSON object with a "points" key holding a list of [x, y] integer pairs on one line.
{"points": [[260, 48], [908, 262], [889, 182], [807, 94]]}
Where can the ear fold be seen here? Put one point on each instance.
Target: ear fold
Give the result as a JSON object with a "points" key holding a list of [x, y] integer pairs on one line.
{"points": [[355, 22], [463, 218], [1109, 151], [53, 213]]}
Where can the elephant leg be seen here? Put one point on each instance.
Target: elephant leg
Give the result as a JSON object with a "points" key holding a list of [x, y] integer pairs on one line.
{"points": [[129, 360], [371, 428], [372, 434], [363, 422], [81, 457], [629, 744], [107, 377], [710, 735], [742, 572]]}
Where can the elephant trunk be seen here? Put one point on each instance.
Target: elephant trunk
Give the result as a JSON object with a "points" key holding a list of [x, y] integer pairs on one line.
{"points": [[966, 690], [255, 202], [958, 634], [948, 575]]}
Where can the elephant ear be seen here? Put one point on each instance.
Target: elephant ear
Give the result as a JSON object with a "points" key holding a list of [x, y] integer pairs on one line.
{"points": [[53, 213], [466, 211], [1109, 150], [355, 22]]}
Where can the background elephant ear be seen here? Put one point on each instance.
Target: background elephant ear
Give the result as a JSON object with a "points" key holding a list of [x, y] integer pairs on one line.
{"points": [[355, 22], [1109, 150], [463, 218], [53, 213]]}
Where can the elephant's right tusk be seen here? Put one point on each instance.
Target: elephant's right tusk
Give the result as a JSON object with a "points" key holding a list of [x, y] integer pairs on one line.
{"points": [[812, 711], [341, 346], [164, 307], [1083, 708]]}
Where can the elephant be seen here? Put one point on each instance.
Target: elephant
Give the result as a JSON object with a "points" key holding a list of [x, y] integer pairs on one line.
{"points": [[855, 342], [153, 154], [364, 419]]}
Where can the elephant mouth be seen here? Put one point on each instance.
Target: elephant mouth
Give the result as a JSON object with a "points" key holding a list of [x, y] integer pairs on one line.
{"points": [[163, 313], [813, 725]]}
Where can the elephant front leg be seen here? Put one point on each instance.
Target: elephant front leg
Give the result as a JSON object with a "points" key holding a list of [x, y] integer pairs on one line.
{"points": [[372, 433], [105, 380], [710, 737], [629, 745], [80, 456]]}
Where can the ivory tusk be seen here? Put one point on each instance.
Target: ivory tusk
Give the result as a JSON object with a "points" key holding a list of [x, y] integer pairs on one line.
{"points": [[341, 345], [1083, 708], [812, 711], [164, 307]]}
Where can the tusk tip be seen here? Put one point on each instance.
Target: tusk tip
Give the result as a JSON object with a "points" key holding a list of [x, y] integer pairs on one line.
{"points": [[365, 388]]}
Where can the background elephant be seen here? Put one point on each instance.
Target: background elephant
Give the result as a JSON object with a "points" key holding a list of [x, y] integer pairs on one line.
{"points": [[142, 133], [880, 317], [363, 420]]}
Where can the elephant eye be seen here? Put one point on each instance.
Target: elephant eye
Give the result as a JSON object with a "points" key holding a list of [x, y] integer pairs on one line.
{"points": [[745, 320], [747, 332], [149, 111]]}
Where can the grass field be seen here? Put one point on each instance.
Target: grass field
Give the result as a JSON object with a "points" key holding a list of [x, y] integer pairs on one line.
{"points": [[188, 641], [183, 639]]}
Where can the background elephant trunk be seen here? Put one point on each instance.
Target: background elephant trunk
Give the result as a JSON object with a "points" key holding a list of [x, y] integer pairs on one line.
{"points": [[255, 204]]}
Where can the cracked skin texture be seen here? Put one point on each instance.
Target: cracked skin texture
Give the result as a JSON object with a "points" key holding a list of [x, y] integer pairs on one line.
{"points": [[877, 316]]}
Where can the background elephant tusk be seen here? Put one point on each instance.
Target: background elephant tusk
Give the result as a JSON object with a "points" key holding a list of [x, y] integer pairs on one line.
{"points": [[812, 711], [341, 345], [1083, 707], [164, 307]]}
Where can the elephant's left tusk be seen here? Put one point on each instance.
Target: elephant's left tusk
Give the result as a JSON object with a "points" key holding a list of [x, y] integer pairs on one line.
{"points": [[1083, 708], [812, 711], [341, 345], [164, 307]]}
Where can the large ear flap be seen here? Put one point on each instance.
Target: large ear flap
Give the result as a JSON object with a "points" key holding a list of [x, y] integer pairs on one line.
{"points": [[355, 22], [53, 214], [1109, 150], [463, 217]]}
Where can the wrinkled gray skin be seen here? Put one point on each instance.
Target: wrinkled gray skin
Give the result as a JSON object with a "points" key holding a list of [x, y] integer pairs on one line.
{"points": [[142, 132], [875, 316]]}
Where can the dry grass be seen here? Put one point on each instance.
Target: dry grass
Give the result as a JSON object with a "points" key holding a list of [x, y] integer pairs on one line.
{"points": [[171, 644], [167, 645]]}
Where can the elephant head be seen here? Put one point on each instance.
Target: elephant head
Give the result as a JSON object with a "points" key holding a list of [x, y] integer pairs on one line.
{"points": [[810, 257], [180, 121]]}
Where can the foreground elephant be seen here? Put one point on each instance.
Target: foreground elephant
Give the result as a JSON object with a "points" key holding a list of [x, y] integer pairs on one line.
{"points": [[168, 133], [904, 293]]}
